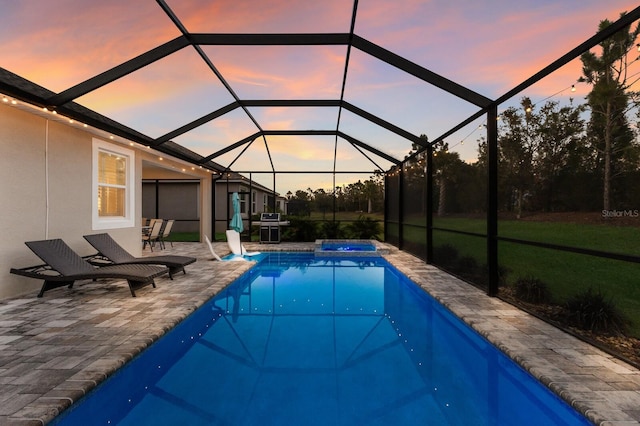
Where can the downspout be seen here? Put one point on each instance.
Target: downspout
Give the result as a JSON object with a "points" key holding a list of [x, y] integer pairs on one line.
{"points": [[214, 179]]}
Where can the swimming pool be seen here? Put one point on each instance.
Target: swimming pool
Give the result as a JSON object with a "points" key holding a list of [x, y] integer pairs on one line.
{"points": [[302, 340]]}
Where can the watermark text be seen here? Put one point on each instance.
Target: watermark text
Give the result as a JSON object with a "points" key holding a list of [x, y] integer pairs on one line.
{"points": [[620, 213]]}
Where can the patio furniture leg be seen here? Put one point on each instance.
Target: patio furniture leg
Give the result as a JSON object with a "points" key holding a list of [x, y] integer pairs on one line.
{"points": [[50, 285]]}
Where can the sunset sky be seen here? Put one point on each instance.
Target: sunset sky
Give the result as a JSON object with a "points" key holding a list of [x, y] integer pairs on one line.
{"points": [[488, 46]]}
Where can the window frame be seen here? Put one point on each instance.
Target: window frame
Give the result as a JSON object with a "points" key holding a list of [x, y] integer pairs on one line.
{"points": [[242, 195], [254, 196], [113, 222]]}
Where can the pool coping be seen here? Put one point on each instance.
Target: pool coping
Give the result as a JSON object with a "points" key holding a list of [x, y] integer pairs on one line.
{"points": [[55, 349]]}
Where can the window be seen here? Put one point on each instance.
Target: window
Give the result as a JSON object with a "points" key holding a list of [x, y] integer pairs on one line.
{"points": [[242, 191], [265, 203], [113, 193], [253, 202]]}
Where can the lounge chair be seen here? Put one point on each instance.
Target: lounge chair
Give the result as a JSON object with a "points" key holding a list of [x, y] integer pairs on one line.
{"points": [[110, 252], [63, 266], [215, 255], [236, 246]]}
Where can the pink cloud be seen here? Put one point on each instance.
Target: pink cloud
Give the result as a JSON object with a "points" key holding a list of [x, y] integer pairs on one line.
{"points": [[495, 45], [276, 16], [59, 44], [281, 71]]}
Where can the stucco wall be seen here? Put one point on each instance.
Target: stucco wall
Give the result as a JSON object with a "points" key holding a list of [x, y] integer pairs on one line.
{"points": [[46, 192], [22, 190], [45, 181]]}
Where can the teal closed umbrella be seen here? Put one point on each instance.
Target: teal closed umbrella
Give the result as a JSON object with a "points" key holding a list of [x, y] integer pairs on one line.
{"points": [[236, 219]]}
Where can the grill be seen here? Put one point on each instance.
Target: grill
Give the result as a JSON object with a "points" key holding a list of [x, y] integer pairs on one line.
{"points": [[270, 228]]}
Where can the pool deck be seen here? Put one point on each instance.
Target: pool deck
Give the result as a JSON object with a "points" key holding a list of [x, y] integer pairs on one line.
{"points": [[55, 349]]}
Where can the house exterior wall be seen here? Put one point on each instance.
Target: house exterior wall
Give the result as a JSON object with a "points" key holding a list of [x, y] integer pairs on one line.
{"points": [[22, 189], [46, 188], [223, 208]]}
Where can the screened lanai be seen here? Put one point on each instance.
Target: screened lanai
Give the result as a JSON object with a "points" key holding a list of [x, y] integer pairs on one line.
{"points": [[315, 94]]}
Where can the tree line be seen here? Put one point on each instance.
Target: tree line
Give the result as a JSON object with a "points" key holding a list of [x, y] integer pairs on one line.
{"points": [[365, 197]]}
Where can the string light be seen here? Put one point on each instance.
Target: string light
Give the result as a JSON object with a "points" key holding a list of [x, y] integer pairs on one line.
{"points": [[572, 88], [7, 100], [527, 110]]}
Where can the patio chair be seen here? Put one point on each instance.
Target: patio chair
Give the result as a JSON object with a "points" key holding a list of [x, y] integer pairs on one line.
{"points": [[153, 235], [110, 252], [236, 246], [165, 232], [63, 266]]}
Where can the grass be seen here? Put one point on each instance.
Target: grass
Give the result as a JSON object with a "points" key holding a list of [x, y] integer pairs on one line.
{"points": [[565, 273], [614, 239]]}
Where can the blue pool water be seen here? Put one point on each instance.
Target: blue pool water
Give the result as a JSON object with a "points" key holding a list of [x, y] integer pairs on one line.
{"points": [[300, 340]]}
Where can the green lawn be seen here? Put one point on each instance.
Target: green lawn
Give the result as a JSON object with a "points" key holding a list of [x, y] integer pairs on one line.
{"points": [[565, 273], [614, 239]]}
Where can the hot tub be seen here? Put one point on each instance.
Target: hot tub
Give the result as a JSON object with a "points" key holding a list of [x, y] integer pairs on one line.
{"points": [[348, 248]]}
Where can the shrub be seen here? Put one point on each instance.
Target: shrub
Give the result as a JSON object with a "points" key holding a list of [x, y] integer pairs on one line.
{"points": [[592, 311], [445, 256], [300, 230], [483, 276], [532, 290], [467, 266], [331, 230], [363, 228]]}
